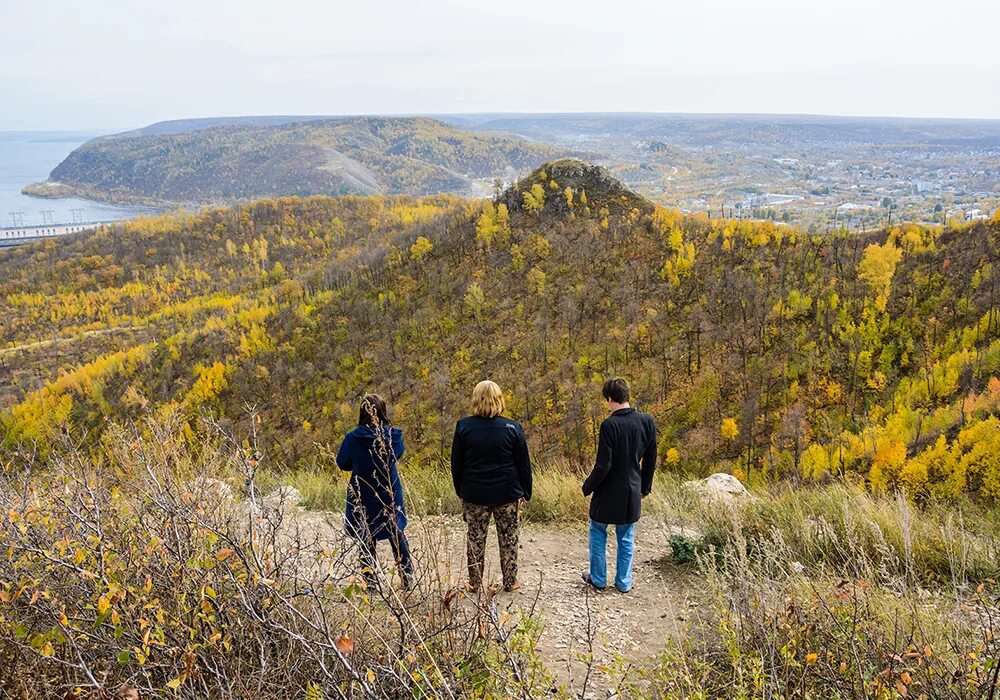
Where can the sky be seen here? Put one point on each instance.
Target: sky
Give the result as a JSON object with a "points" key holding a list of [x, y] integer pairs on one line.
{"points": [[107, 64]]}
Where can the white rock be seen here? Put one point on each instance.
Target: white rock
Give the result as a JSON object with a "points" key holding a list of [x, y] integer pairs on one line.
{"points": [[719, 486], [688, 533], [283, 496]]}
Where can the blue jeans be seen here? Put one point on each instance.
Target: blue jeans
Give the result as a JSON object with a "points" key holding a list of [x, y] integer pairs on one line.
{"points": [[625, 534]]}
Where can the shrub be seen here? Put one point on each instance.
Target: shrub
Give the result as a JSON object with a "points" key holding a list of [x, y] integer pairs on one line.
{"points": [[140, 573]]}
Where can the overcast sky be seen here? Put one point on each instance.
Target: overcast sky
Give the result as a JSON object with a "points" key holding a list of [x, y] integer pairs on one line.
{"points": [[107, 64]]}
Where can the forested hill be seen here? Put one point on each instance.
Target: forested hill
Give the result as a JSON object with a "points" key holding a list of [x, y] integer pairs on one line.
{"points": [[758, 348], [201, 161]]}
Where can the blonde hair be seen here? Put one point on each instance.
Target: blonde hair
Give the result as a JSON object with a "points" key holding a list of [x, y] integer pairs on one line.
{"points": [[487, 400]]}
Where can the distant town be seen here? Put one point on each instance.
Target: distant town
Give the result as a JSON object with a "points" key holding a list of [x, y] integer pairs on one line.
{"points": [[818, 172]]}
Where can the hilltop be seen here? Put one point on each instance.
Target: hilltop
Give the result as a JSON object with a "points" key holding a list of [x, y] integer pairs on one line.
{"points": [[599, 186], [227, 160], [760, 349]]}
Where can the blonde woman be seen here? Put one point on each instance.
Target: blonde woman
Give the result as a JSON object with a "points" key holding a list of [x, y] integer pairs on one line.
{"points": [[492, 474]]}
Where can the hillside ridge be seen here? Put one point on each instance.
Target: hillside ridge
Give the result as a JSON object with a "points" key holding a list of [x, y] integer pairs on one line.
{"points": [[215, 163]]}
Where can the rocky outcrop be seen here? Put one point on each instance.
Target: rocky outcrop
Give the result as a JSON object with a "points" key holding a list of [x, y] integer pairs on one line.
{"points": [[207, 488]]}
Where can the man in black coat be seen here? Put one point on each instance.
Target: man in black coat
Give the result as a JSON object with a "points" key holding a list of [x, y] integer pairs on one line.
{"points": [[622, 477]]}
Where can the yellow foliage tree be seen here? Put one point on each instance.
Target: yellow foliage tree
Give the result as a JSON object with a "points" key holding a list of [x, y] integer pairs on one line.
{"points": [[890, 456], [729, 430], [486, 225], [420, 248], [815, 462], [534, 199], [877, 268]]}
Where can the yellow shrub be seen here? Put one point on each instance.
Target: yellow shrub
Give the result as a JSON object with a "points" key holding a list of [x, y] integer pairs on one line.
{"points": [[890, 456], [729, 430], [815, 462]]}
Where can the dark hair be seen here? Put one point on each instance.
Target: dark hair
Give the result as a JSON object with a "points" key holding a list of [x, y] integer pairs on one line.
{"points": [[616, 389], [373, 411]]}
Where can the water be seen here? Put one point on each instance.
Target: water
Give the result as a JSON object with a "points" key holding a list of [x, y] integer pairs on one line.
{"points": [[29, 156]]}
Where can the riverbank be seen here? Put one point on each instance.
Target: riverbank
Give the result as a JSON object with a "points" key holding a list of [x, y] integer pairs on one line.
{"points": [[29, 157], [50, 189]]}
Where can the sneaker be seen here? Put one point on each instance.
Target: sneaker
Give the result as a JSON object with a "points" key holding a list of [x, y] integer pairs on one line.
{"points": [[513, 587], [590, 582]]}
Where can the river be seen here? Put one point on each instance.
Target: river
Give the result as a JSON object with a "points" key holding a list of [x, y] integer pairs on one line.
{"points": [[29, 156]]}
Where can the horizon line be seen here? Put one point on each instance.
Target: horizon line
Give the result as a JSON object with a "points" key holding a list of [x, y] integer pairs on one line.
{"points": [[569, 113]]}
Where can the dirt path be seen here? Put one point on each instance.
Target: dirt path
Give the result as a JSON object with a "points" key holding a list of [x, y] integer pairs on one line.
{"points": [[617, 630], [630, 627], [65, 340]]}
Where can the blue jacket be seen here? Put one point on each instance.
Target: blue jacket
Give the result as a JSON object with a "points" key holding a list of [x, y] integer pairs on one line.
{"points": [[375, 493]]}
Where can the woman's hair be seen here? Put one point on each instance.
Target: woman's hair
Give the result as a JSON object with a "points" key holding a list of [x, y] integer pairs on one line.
{"points": [[373, 411], [487, 400]]}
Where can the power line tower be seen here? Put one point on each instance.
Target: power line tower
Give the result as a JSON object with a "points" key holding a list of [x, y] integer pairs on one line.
{"points": [[48, 217], [77, 215], [17, 217]]}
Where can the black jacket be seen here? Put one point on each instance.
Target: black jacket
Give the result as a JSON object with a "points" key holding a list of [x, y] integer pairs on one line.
{"points": [[623, 473], [489, 461]]}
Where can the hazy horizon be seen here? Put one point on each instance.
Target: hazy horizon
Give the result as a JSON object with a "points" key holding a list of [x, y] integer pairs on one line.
{"points": [[112, 65], [96, 131]]}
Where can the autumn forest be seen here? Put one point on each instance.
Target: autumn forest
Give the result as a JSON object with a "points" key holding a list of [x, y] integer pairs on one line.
{"points": [[759, 349]]}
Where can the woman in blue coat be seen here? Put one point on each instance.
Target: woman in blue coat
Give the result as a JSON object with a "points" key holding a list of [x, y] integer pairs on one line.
{"points": [[375, 509]]}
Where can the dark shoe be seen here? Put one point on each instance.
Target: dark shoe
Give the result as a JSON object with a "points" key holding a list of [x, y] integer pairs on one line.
{"points": [[590, 582], [621, 591]]}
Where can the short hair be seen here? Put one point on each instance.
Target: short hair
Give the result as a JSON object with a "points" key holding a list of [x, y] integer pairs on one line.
{"points": [[373, 411], [487, 400], [616, 389]]}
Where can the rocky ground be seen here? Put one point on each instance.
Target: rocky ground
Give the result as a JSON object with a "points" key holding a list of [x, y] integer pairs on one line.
{"points": [[589, 638], [617, 630], [630, 627]]}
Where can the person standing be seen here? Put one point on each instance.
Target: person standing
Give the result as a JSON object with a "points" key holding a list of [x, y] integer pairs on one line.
{"points": [[375, 509], [621, 478], [491, 470]]}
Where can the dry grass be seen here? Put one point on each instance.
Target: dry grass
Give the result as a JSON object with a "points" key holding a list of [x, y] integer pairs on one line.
{"points": [[138, 573], [132, 572]]}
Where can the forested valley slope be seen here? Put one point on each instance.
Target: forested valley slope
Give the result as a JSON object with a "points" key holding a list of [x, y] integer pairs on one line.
{"points": [[758, 348], [239, 159]]}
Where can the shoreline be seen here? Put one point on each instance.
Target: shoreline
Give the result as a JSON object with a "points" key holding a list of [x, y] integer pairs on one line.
{"points": [[53, 190]]}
